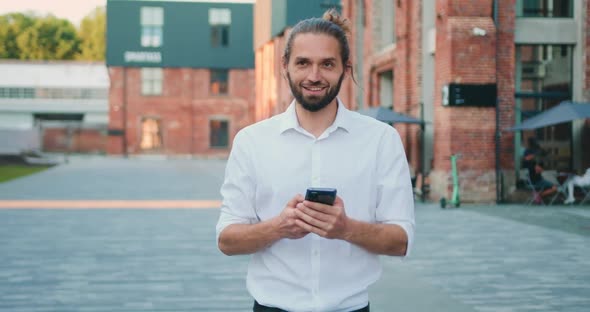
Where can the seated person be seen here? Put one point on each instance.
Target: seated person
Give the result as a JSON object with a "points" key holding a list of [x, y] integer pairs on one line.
{"points": [[579, 181], [535, 173]]}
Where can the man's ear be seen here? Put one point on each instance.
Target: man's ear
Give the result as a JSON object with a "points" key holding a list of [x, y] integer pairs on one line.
{"points": [[348, 68]]}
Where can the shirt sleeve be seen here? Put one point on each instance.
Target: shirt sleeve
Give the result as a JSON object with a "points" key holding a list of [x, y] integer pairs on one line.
{"points": [[238, 187], [395, 199]]}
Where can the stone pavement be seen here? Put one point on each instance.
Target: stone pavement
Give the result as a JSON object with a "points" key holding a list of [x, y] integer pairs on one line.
{"points": [[96, 177], [478, 258]]}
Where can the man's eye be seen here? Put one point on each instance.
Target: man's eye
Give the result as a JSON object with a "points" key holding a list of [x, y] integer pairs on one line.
{"points": [[329, 64], [301, 63]]}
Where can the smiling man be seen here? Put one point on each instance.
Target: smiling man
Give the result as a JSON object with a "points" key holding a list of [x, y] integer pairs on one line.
{"points": [[309, 256]]}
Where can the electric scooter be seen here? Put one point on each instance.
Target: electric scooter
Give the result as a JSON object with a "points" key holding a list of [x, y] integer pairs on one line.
{"points": [[455, 198]]}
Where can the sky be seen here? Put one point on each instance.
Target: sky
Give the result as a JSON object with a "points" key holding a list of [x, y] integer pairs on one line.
{"points": [[73, 10]]}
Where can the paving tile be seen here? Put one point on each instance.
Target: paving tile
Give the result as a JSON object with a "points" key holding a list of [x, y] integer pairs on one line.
{"points": [[493, 258]]}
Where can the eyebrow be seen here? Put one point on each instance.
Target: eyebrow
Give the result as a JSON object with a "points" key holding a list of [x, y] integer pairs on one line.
{"points": [[302, 58]]}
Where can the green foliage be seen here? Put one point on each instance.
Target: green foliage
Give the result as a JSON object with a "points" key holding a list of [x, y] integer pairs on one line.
{"points": [[92, 34], [49, 38], [11, 26], [27, 36]]}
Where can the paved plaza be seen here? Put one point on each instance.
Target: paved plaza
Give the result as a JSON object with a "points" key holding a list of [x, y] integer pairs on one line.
{"points": [[475, 258]]}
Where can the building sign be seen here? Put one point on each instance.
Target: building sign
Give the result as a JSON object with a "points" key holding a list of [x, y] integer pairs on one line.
{"points": [[458, 94], [143, 57]]}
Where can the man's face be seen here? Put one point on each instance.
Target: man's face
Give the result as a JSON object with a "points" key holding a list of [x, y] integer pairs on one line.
{"points": [[314, 70]]}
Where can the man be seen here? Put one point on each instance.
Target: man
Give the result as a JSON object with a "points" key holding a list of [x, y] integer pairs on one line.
{"points": [[308, 256], [535, 169], [581, 181]]}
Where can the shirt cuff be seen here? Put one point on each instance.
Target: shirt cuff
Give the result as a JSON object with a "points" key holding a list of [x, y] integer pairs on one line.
{"points": [[226, 220]]}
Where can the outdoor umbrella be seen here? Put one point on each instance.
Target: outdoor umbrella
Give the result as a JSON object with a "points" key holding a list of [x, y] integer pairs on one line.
{"points": [[387, 115], [564, 112]]}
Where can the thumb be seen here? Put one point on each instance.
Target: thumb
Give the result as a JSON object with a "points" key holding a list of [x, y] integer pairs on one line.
{"points": [[338, 201], [295, 200]]}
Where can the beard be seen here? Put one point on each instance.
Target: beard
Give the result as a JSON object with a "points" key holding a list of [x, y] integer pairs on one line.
{"points": [[314, 103]]}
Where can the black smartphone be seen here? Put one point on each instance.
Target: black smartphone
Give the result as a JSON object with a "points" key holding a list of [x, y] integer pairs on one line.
{"points": [[322, 195]]}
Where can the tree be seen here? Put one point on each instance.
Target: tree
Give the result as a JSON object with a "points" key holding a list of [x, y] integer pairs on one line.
{"points": [[92, 34], [11, 26], [49, 38]]}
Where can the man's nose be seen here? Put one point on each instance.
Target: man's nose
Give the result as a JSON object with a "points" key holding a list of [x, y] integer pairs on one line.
{"points": [[314, 74]]}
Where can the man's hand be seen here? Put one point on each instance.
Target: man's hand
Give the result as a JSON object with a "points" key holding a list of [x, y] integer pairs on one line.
{"points": [[331, 222], [324, 220], [286, 222]]}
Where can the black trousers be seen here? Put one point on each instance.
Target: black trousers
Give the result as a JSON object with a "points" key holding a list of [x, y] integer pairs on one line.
{"points": [[260, 308]]}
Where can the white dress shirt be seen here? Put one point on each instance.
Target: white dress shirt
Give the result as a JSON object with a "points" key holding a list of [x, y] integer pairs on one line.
{"points": [[275, 159]]}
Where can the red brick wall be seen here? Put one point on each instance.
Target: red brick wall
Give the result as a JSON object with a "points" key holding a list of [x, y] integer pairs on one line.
{"points": [[370, 85], [586, 130], [469, 8], [462, 57], [506, 87], [79, 141], [184, 109], [403, 59], [273, 95], [587, 36], [407, 74]]}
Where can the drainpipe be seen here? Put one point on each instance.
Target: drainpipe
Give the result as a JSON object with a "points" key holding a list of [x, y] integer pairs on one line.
{"points": [[422, 153], [499, 176], [360, 29], [125, 112], [192, 112]]}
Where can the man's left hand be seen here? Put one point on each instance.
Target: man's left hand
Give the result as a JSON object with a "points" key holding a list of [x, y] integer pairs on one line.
{"points": [[324, 220]]}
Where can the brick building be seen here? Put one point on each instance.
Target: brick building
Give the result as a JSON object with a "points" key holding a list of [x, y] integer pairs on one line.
{"points": [[472, 69], [53, 106], [182, 75]]}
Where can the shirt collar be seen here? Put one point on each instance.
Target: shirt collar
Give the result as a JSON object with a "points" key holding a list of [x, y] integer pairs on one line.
{"points": [[343, 119]]}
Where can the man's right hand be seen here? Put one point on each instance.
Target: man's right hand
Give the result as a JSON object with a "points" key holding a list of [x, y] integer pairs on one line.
{"points": [[285, 222]]}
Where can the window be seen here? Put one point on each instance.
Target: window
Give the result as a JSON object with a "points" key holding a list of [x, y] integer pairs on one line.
{"points": [[543, 80], [152, 21], [219, 81], [544, 8], [218, 133], [151, 136], [151, 81], [387, 16], [386, 89], [219, 20], [17, 93]]}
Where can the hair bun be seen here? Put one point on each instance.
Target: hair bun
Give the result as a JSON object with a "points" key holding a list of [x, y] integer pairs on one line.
{"points": [[333, 16]]}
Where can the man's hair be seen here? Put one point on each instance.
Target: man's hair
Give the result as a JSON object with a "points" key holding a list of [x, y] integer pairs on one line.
{"points": [[331, 24]]}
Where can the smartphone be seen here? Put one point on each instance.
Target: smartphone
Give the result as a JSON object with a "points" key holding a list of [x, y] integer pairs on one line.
{"points": [[322, 195]]}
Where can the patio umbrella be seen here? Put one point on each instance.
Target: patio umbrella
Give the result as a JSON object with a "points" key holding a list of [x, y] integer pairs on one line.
{"points": [[387, 115], [564, 112]]}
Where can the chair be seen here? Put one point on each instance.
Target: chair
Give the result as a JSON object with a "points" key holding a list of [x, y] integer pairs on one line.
{"points": [[536, 191], [561, 190], [586, 191]]}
